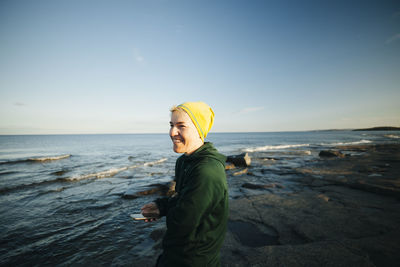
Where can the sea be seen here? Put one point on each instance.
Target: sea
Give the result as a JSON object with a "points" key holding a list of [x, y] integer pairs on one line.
{"points": [[62, 197]]}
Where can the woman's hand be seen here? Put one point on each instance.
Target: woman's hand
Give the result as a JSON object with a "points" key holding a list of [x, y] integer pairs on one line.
{"points": [[150, 210]]}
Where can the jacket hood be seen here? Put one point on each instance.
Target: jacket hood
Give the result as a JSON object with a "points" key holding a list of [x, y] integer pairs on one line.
{"points": [[206, 150]]}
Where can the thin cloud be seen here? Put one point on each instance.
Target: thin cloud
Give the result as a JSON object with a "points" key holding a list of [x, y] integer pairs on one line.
{"points": [[250, 110], [19, 104], [393, 38], [139, 59], [138, 56]]}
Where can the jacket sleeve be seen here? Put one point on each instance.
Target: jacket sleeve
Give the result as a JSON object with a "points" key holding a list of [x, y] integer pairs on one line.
{"points": [[202, 191], [162, 205]]}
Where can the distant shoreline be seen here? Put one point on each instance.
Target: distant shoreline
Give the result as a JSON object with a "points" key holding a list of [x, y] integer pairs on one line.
{"points": [[383, 128]]}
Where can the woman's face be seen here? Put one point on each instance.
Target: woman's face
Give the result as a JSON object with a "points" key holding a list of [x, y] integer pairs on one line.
{"points": [[183, 133]]}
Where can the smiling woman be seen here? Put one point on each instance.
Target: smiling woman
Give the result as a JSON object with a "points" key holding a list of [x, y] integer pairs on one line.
{"points": [[183, 132], [197, 213]]}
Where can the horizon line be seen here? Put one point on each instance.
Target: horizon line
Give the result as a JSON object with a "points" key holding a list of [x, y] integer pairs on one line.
{"points": [[219, 132]]}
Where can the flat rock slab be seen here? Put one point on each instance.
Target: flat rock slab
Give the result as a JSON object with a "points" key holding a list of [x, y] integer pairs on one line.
{"points": [[335, 226], [249, 234]]}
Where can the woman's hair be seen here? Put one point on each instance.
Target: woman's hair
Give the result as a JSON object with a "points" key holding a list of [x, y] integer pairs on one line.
{"points": [[175, 108]]}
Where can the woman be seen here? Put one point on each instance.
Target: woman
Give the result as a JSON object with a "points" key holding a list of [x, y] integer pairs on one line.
{"points": [[197, 213]]}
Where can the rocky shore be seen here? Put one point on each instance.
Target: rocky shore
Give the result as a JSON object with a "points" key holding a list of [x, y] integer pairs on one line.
{"points": [[337, 210]]}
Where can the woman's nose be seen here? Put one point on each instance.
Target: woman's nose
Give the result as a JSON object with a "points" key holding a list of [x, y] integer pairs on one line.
{"points": [[173, 131]]}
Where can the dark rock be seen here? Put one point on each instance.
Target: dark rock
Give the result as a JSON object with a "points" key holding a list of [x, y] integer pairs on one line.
{"points": [[60, 173], [155, 188], [229, 166], [261, 186], [127, 195], [384, 190], [249, 234], [242, 160], [331, 153], [160, 189], [341, 226]]}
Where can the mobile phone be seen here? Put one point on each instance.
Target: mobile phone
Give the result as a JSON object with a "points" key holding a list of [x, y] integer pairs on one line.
{"points": [[139, 216]]}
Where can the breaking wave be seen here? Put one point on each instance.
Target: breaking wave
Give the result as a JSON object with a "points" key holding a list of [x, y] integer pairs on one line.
{"points": [[103, 174], [266, 148], [392, 136], [50, 158], [349, 143], [113, 171], [280, 147], [39, 159]]}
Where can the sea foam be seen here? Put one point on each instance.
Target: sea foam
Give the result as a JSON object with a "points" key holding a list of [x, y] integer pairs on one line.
{"points": [[113, 171], [349, 143], [392, 136], [50, 158], [33, 160], [277, 147]]}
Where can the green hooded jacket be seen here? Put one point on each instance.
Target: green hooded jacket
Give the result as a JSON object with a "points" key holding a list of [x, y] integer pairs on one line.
{"points": [[197, 214]]}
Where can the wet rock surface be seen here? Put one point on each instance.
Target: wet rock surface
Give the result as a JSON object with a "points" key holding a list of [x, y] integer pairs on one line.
{"points": [[335, 214], [331, 153], [261, 186], [249, 234], [166, 189]]}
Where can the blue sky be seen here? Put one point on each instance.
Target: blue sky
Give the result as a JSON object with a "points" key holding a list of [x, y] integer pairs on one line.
{"points": [[72, 67]]}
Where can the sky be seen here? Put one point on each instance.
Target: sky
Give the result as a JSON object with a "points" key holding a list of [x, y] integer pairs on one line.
{"points": [[88, 67]]}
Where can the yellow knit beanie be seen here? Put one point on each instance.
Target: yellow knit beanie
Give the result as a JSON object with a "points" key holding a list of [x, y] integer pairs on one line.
{"points": [[201, 115]]}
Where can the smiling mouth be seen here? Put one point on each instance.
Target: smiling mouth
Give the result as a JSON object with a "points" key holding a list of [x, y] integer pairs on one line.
{"points": [[176, 141]]}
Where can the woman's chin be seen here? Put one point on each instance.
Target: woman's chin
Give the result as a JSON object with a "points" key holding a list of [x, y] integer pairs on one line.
{"points": [[178, 149]]}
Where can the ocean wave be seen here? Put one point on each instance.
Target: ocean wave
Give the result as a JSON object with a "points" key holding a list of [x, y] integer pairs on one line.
{"points": [[392, 136], [277, 147], [103, 174], [112, 172], [25, 186], [348, 143], [39, 159]]}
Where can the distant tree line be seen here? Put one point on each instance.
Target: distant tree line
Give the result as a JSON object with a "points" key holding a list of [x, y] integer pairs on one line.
{"points": [[382, 128]]}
